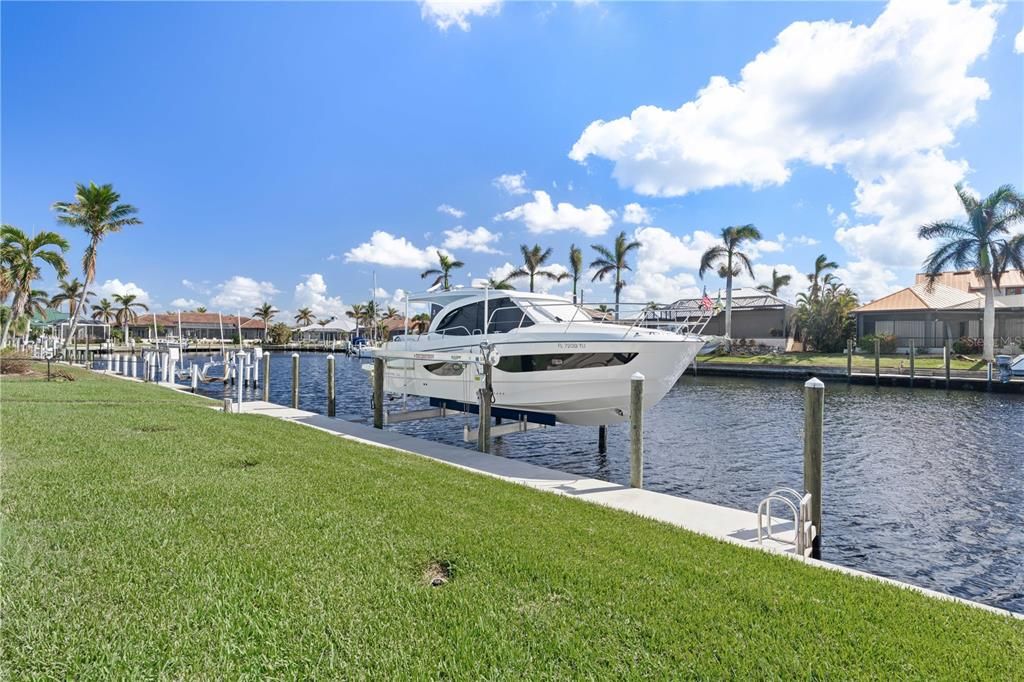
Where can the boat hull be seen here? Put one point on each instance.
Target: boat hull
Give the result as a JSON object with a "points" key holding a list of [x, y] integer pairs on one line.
{"points": [[590, 386]]}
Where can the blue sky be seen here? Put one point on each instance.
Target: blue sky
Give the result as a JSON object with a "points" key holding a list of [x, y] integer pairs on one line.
{"points": [[288, 151]]}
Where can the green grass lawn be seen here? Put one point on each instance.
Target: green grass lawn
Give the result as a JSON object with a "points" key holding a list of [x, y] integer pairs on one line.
{"points": [[860, 361], [145, 535]]}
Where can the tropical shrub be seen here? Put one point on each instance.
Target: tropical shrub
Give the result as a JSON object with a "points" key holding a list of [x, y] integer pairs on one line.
{"points": [[280, 333], [823, 318], [886, 343]]}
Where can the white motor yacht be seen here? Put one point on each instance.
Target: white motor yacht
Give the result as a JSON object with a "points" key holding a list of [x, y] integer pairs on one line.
{"points": [[550, 358]]}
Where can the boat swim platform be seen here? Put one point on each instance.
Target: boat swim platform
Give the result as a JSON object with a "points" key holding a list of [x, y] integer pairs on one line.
{"points": [[735, 526]]}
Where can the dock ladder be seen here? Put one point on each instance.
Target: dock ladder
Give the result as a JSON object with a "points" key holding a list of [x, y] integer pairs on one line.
{"points": [[803, 529]]}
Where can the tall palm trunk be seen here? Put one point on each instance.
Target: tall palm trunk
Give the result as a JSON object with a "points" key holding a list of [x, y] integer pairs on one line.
{"points": [[618, 291], [989, 320], [728, 305], [90, 272], [15, 306]]}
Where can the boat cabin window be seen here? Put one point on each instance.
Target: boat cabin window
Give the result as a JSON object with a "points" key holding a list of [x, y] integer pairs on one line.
{"points": [[463, 321], [505, 316]]}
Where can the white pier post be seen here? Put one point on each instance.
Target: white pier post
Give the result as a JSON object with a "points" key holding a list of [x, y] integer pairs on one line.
{"points": [[814, 445], [255, 367], [295, 381], [132, 364], [165, 366], [110, 362], [171, 367], [485, 398], [636, 430], [195, 377], [240, 368], [266, 376]]}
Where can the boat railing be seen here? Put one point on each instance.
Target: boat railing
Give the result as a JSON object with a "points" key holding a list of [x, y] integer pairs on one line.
{"points": [[691, 324]]}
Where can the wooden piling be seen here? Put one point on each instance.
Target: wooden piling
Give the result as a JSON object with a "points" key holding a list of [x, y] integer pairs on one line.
{"points": [[849, 360], [266, 376], [878, 359], [636, 430], [330, 386], [602, 439], [913, 353], [485, 397], [295, 381], [814, 445], [240, 371], [378, 393]]}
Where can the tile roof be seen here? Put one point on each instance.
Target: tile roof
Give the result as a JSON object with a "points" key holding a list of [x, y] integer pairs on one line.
{"points": [[966, 280], [171, 319]]}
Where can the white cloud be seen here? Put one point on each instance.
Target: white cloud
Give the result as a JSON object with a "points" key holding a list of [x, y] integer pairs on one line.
{"points": [[841, 220], [199, 287], [636, 214], [448, 209], [869, 280], [513, 183], [332, 256], [312, 293], [882, 100], [658, 287], [1018, 42], [447, 13], [185, 303], [763, 275], [385, 248], [116, 286], [804, 240], [479, 240], [540, 215], [241, 293], [540, 284]]}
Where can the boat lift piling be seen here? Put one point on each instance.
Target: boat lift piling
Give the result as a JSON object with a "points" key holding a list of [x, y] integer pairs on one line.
{"points": [[330, 386], [636, 430], [602, 439], [814, 416], [295, 381]]}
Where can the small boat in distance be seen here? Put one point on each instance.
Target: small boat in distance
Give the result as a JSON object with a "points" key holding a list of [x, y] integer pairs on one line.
{"points": [[550, 357], [362, 348]]}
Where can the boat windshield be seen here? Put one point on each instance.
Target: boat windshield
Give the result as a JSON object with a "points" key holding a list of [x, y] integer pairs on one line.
{"points": [[555, 311]]}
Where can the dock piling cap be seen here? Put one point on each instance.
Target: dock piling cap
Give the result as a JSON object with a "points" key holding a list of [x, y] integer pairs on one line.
{"points": [[814, 382], [637, 376]]}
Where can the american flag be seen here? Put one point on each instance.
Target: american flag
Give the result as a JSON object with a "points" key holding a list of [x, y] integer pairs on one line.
{"points": [[705, 301]]}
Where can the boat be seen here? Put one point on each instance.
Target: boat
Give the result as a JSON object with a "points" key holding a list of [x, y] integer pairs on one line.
{"points": [[551, 360], [362, 348]]}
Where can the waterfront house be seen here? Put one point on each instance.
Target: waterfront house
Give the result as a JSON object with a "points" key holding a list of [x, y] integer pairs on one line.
{"points": [[757, 316], [336, 329], [950, 309], [196, 326], [57, 324]]}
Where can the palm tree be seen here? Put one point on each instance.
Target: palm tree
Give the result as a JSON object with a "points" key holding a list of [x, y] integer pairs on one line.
{"points": [[371, 315], [534, 259], [982, 244], [125, 311], [575, 268], [728, 255], [391, 313], [502, 284], [96, 209], [70, 293], [266, 313], [103, 311], [358, 312], [22, 257], [419, 322], [445, 266], [820, 276], [778, 281], [304, 317], [613, 260], [200, 309]]}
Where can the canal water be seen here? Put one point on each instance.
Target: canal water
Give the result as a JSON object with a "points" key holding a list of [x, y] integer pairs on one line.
{"points": [[924, 486]]}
